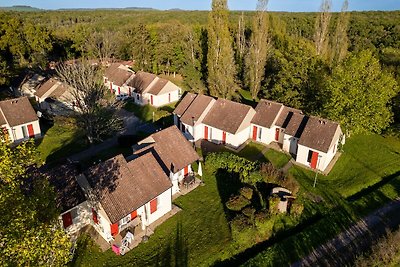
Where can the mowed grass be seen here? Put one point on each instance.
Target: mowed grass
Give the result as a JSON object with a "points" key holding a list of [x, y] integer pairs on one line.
{"points": [[367, 159], [252, 151], [149, 113], [63, 139], [196, 236], [278, 159]]}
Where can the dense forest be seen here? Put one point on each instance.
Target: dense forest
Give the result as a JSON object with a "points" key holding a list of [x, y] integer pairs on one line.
{"points": [[178, 42]]}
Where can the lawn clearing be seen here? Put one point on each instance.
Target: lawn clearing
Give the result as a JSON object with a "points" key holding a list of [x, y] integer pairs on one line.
{"points": [[278, 159], [61, 140], [149, 113], [252, 151], [367, 159]]}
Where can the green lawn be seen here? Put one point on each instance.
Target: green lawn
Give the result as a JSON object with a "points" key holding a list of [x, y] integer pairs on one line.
{"points": [[252, 151], [278, 159], [198, 235], [366, 160], [61, 140], [149, 113]]}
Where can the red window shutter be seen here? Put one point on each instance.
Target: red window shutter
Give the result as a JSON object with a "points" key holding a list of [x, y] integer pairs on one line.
{"points": [[133, 214], [67, 219], [95, 219], [119, 90], [205, 132], [114, 229], [153, 205], [314, 160], [31, 132], [151, 100], [223, 138], [130, 92]]}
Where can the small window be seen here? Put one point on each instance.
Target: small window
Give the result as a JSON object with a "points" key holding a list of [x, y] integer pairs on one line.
{"points": [[310, 152], [24, 132], [259, 133], [75, 213]]}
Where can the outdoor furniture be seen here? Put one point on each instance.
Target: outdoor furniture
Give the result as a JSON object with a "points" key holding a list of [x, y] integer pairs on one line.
{"points": [[188, 180]]}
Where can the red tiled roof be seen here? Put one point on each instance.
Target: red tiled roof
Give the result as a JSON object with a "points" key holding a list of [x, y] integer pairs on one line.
{"points": [[184, 104], [196, 109], [156, 88], [226, 115], [172, 149], [318, 134], [18, 111], [141, 81], [124, 187], [266, 112]]}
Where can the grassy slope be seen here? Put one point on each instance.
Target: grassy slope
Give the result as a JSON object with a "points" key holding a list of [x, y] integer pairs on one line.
{"points": [[367, 160]]}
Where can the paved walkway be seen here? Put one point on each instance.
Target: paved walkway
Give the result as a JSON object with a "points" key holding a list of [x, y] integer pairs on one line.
{"points": [[340, 250]]}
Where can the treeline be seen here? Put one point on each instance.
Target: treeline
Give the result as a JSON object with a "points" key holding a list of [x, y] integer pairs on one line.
{"points": [[171, 42]]}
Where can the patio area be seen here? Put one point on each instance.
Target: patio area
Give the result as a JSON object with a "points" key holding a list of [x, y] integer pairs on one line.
{"points": [[188, 184], [131, 236]]}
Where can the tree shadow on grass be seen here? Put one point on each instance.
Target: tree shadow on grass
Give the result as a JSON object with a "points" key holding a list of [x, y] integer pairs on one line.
{"points": [[177, 252]]}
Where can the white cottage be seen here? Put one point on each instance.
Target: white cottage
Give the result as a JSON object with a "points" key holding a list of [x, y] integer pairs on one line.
{"points": [[173, 152], [116, 77], [19, 120], [149, 89]]}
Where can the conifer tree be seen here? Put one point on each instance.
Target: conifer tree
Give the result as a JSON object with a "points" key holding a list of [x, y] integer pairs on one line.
{"points": [[258, 50], [220, 60]]}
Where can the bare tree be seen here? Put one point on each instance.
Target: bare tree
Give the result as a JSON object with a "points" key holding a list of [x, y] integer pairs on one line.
{"points": [[340, 42], [240, 37], [322, 28], [96, 107], [258, 50]]}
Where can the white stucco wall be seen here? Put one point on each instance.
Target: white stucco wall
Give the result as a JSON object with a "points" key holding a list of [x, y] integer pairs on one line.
{"points": [[267, 136], [83, 218], [164, 205], [162, 99], [290, 144], [177, 177], [16, 133]]}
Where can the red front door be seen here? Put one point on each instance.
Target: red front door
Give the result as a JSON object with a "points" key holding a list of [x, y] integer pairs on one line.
{"points": [[186, 171], [314, 160], [153, 205], [130, 92], [277, 134], [119, 90], [94, 215], [206, 132], [133, 214], [151, 100], [254, 132], [223, 137], [114, 229], [31, 132]]}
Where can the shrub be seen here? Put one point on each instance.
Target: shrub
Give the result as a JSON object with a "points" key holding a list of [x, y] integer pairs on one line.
{"points": [[273, 204], [291, 183], [296, 208], [243, 232], [247, 192], [237, 203], [249, 213], [264, 224]]}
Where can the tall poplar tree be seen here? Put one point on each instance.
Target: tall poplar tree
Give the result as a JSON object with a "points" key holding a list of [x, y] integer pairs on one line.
{"points": [[340, 42], [322, 28], [220, 60], [258, 50]]}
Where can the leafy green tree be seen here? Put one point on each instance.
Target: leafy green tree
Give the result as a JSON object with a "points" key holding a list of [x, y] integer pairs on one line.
{"points": [[361, 94], [290, 68], [220, 61], [141, 48], [258, 49], [30, 234]]}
